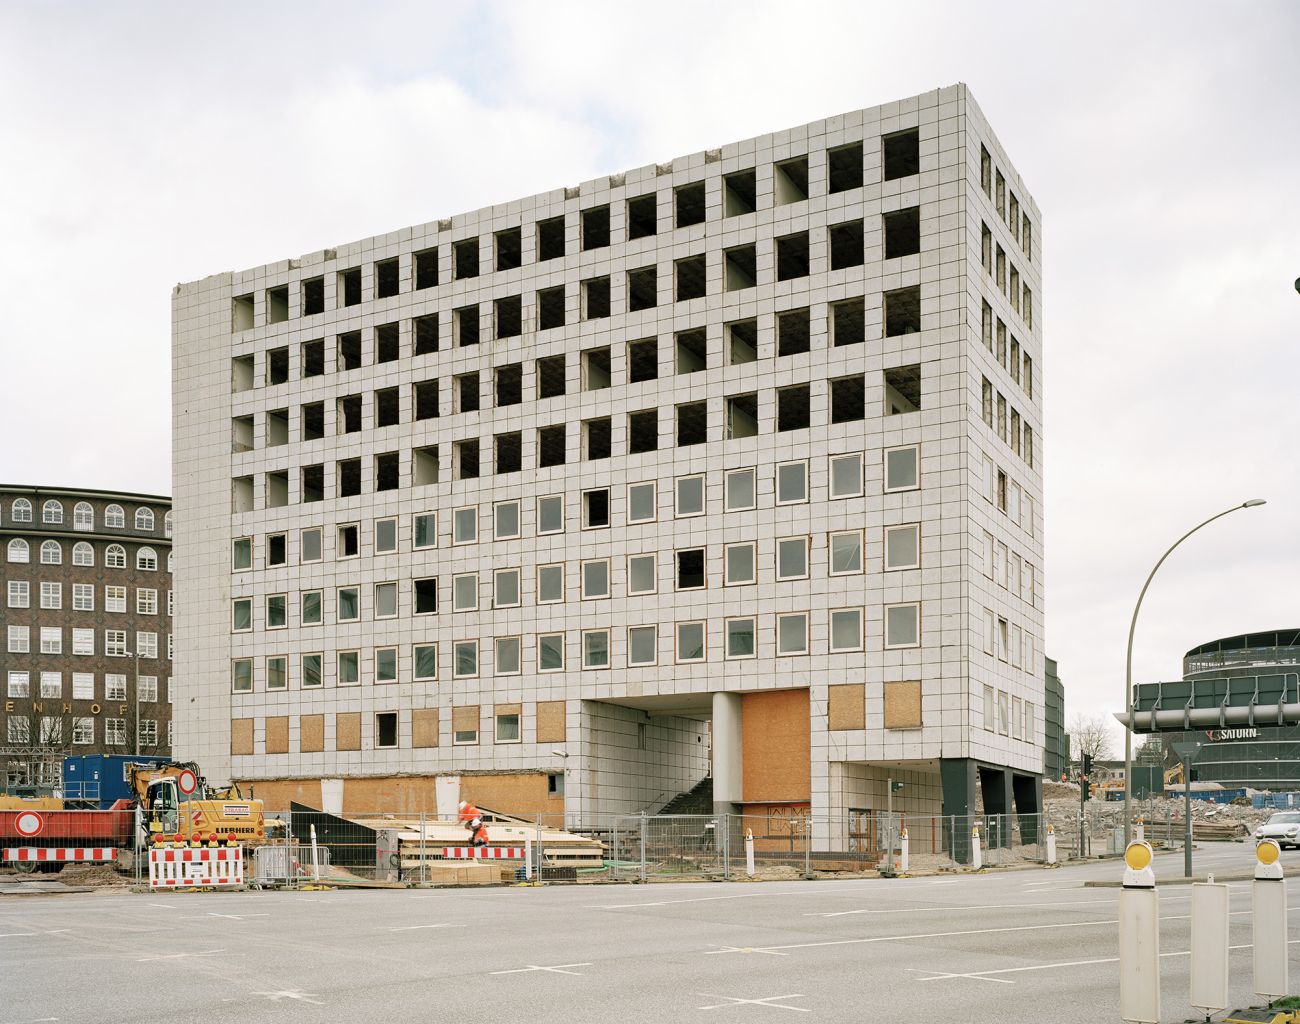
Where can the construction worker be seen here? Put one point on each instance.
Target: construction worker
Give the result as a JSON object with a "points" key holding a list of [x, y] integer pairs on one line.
{"points": [[472, 818]]}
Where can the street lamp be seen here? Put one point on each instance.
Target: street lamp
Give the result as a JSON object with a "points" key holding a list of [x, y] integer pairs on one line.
{"points": [[1128, 669], [137, 699]]}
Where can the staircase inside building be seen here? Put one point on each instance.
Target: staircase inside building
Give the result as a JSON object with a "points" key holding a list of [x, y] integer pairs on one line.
{"points": [[698, 801]]}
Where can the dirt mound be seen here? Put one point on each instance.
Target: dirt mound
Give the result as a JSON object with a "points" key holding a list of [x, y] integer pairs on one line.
{"points": [[94, 875]]}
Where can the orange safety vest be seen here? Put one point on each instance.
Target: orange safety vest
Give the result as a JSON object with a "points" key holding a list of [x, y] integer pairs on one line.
{"points": [[468, 813]]}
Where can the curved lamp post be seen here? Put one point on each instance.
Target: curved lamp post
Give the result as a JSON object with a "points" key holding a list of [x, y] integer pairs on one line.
{"points": [[1128, 669]]}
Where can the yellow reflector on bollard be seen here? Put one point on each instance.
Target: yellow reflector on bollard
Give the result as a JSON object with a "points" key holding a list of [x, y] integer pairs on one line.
{"points": [[1138, 855], [1266, 852]]}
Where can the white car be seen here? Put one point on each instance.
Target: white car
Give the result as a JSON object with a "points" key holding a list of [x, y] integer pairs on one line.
{"points": [[1284, 827]]}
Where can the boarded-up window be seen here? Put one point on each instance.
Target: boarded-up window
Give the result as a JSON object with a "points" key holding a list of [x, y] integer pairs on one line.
{"points": [[241, 736], [464, 724], [277, 735], [424, 727], [550, 721], [846, 706], [903, 705], [347, 731], [311, 734]]}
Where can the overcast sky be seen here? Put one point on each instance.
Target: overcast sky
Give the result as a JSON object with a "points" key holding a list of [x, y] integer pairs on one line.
{"points": [[148, 144]]}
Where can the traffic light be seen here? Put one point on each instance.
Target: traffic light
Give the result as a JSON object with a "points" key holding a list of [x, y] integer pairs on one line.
{"points": [[1085, 770], [895, 786]]}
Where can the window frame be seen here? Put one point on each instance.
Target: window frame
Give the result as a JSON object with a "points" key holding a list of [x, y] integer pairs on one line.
{"points": [[859, 475], [558, 499], [496, 520], [690, 478], [320, 670], [752, 473], [830, 553], [582, 578], [455, 588], [608, 663], [538, 583], [803, 499], [885, 635], [704, 642], [457, 539], [805, 540], [654, 657], [235, 602], [859, 645], [355, 657], [387, 649], [320, 608], [518, 641], [383, 521], [563, 651], [653, 486], [496, 587], [915, 528], [415, 662], [338, 604], [235, 665], [727, 655], [884, 479], [374, 598], [727, 580], [456, 647], [430, 518], [804, 651]]}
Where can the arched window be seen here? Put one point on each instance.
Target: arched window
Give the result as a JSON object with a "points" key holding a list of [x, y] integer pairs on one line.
{"points": [[83, 553], [115, 557], [114, 516], [21, 511], [144, 519], [52, 512], [169, 560], [18, 551], [147, 559], [168, 524], [51, 553], [83, 516]]}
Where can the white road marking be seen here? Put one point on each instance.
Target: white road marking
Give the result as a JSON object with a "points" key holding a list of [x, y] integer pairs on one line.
{"points": [[557, 969], [179, 956], [231, 917], [15, 935], [418, 927], [944, 910], [940, 976], [291, 993], [165, 906], [747, 949], [696, 899], [773, 1001]]}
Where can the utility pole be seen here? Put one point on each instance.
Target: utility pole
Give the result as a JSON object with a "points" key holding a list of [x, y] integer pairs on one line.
{"points": [[889, 821]]}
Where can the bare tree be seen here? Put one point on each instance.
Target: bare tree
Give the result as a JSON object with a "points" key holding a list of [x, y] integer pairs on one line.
{"points": [[1090, 734], [1152, 750]]}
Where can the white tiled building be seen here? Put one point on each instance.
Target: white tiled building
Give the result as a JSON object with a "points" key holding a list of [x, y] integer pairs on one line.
{"points": [[728, 466]]}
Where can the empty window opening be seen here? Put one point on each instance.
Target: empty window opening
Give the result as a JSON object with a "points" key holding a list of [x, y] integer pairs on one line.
{"points": [[692, 424], [467, 392], [902, 389], [690, 204], [277, 489], [241, 494], [902, 233], [277, 366], [692, 351], [848, 399], [466, 323], [1000, 193], [349, 478], [510, 384], [550, 239], [241, 313], [739, 193], [986, 171], [425, 332], [741, 268], [426, 268], [388, 407], [849, 322], [847, 245], [690, 569], [387, 474], [510, 248], [595, 508], [387, 343], [902, 153], [467, 462], [426, 399], [742, 416], [793, 332], [550, 308], [313, 358], [385, 728], [349, 544], [642, 288], [903, 311], [349, 414], [792, 407], [595, 298], [792, 256], [426, 596], [844, 168], [277, 427], [313, 421], [424, 466], [643, 431], [642, 217], [313, 483], [595, 228], [277, 304], [550, 377], [642, 360], [350, 351], [596, 438], [349, 286], [241, 434], [509, 316], [313, 296], [387, 278], [509, 452], [791, 181], [551, 446], [690, 278], [595, 369], [742, 342], [465, 258]]}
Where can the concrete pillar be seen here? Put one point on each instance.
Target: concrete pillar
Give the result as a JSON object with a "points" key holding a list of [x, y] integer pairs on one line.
{"points": [[728, 753], [957, 777], [1028, 790]]}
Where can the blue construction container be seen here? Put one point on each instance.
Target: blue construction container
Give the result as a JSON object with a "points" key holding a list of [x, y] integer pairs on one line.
{"points": [[100, 780], [1276, 801]]}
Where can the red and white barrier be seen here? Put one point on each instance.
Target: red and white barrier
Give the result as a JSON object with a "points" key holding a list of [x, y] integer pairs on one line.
{"points": [[60, 854], [483, 852], [203, 866]]}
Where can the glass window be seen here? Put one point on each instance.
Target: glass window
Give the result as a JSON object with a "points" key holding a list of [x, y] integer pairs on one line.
{"points": [[144, 520], [83, 641], [349, 668], [146, 601], [425, 657], [20, 553], [792, 558], [146, 559], [21, 511], [641, 574], [275, 611], [83, 554], [115, 686], [83, 597], [466, 736], [506, 520], [740, 638], [739, 562], [642, 645], [51, 553], [52, 512], [169, 523], [51, 595], [902, 625], [311, 608], [641, 501], [792, 633], [424, 530], [83, 516], [507, 726], [385, 536], [846, 629], [791, 483], [114, 556], [464, 525], [349, 604], [550, 514], [846, 552], [277, 673], [903, 547], [241, 614], [690, 641], [741, 490], [595, 648], [465, 658], [508, 662], [241, 553], [241, 677], [903, 468], [52, 685], [464, 592], [115, 643], [550, 583], [690, 496], [312, 675], [595, 579], [550, 652], [20, 684], [83, 731], [19, 639], [505, 588], [20, 594], [385, 664], [385, 600], [846, 475], [146, 644]]}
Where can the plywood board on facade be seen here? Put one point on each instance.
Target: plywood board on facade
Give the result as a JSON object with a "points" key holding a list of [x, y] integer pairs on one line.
{"points": [[465, 718], [776, 746], [241, 735], [551, 726], [903, 705], [347, 730], [311, 733], [424, 727], [277, 735], [846, 706]]}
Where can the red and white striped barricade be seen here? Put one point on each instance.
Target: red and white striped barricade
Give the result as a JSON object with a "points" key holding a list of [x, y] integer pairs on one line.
{"points": [[201, 866], [483, 852], [60, 854]]}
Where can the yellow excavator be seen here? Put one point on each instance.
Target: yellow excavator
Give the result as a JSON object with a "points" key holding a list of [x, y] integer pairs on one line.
{"points": [[177, 801]]}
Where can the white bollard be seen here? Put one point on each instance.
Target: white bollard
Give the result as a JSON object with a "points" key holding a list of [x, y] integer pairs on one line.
{"points": [[1140, 831], [528, 859], [1051, 845], [1209, 947], [1268, 912], [315, 856], [1139, 939], [749, 852], [902, 851], [976, 856]]}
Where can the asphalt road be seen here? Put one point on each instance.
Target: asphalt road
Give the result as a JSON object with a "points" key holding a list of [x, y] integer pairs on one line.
{"points": [[1027, 945]]}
